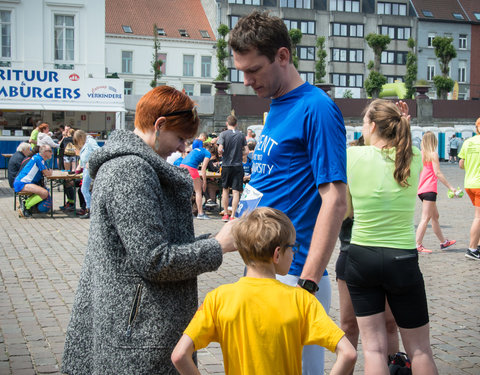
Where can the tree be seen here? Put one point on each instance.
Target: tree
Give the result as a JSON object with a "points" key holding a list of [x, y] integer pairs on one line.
{"points": [[373, 84], [445, 52], [156, 62], [320, 65], [222, 53], [412, 69], [295, 37]]}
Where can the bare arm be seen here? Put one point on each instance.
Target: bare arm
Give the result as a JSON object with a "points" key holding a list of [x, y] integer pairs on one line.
{"points": [[346, 357], [461, 164], [204, 173], [47, 172], [439, 174], [220, 150], [182, 357], [326, 229]]}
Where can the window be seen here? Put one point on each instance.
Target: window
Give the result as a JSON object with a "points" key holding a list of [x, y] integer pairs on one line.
{"points": [[345, 5], [206, 66], [204, 34], [64, 38], [163, 57], [6, 34], [477, 15], [462, 41], [457, 16], [188, 65], [395, 32], [395, 9], [345, 29], [462, 71], [232, 20], [393, 57], [306, 53], [205, 90], [128, 88], [161, 32], [431, 36], [306, 27], [236, 75], [308, 77], [347, 80], [127, 29], [245, 2], [347, 55], [183, 33], [430, 69], [427, 13], [300, 4], [392, 79], [127, 57], [188, 89]]}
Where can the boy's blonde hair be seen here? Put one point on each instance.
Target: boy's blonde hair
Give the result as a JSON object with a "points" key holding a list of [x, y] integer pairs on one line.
{"points": [[258, 233]]}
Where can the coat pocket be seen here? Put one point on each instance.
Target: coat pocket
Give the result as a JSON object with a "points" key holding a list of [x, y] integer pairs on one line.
{"points": [[134, 310]]}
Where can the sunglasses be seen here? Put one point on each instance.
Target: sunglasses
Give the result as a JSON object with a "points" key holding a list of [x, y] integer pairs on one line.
{"points": [[193, 111]]}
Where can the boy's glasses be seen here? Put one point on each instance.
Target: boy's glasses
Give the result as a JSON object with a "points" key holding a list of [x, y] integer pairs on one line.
{"points": [[193, 111], [295, 247]]}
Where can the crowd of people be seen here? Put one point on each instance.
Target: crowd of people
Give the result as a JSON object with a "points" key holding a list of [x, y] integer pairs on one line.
{"points": [[67, 148], [135, 309]]}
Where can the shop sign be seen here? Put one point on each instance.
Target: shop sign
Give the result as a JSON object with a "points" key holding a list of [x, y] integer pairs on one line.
{"points": [[65, 86]]}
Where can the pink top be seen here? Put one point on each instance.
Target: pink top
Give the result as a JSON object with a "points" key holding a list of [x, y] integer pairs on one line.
{"points": [[428, 179]]}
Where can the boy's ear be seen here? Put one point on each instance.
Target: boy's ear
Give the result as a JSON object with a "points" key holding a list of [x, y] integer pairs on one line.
{"points": [[276, 255]]}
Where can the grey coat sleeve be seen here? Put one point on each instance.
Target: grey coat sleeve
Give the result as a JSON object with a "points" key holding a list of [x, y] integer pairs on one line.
{"points": [[152, 231]]}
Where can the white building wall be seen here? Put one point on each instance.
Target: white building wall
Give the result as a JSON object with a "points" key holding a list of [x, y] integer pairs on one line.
{"points": [[175, 49], [33, 34]]}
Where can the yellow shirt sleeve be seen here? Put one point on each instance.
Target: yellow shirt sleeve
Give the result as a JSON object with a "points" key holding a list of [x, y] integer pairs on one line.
{"points": [[202, 329], [319, 329]]}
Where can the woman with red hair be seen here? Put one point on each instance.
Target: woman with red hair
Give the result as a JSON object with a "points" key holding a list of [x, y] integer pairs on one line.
{"points": [[138, 287]]}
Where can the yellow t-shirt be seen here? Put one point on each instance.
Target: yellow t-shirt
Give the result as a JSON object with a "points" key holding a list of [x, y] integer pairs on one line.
{"points": [[470, 152], [262, 326]]}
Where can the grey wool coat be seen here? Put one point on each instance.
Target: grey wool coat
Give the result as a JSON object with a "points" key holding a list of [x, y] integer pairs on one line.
{"points": [[138, 287]]}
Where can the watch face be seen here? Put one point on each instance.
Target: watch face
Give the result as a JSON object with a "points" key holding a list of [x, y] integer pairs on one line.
{"points": [[308, 285]]}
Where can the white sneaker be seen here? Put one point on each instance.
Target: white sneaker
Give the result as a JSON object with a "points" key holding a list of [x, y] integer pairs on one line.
{"points": [[203, 217]]}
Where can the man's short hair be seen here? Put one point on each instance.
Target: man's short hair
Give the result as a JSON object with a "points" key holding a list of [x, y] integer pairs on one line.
{"points": [[232, 120], [260, 31], [477, 125], [259, 232], [43, 148]]}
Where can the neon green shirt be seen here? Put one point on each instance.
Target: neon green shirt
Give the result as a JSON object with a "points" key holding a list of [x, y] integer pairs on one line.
{"points": [[262, 326], [470, 153], [383, 210], [34, 137]]}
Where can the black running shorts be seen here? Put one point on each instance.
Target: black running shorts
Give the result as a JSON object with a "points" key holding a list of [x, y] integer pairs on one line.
{"points": [[373, 273], [232, 177], [432, 197]]}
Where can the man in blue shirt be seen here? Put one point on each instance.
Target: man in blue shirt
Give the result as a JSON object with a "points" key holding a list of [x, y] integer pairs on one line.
{"points": [[299, 164], [29, 177]]}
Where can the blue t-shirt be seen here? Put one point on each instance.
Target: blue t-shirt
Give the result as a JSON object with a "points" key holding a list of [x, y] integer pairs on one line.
{"points": [[302, 146], [247, 166], [196, 156], [32, 172], [178, 161]]}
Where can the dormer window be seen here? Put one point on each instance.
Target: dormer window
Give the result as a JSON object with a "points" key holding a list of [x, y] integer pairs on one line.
{"points": [[457, 16], [161, 32], [127, 29], [204, 34], [183, 33], [427, 13]]}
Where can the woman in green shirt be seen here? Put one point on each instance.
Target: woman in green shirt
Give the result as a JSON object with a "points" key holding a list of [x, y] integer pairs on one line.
{"points": [[382, 258]]}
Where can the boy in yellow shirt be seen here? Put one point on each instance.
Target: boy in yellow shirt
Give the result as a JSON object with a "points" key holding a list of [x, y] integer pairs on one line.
{"points": [[261, 323]]}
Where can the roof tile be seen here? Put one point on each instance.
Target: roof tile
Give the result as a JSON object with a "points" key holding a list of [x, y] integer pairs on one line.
{"points": [[170, 15]]}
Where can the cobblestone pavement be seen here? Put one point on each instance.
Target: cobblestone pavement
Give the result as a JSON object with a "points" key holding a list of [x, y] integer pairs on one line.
{"points": [[41, 259]]}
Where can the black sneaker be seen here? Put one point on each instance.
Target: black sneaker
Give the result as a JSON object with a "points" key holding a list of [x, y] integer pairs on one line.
{"points": [[68, 207], [86, 215], [23, 211], [473, 254]]}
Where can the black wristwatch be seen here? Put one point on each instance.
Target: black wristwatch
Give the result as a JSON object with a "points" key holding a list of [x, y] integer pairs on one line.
{"points": [[308, 285]]}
